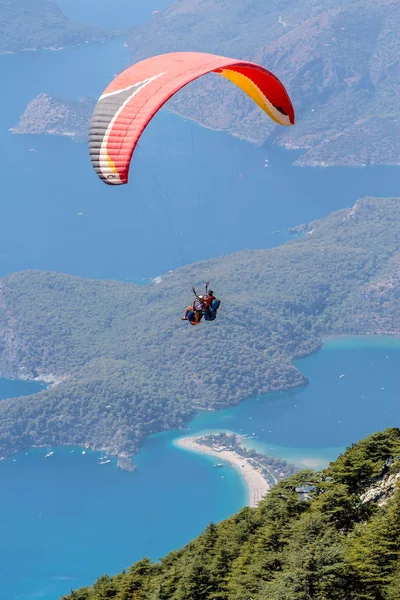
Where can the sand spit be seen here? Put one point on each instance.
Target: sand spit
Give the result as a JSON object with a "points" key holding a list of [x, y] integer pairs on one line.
{"points": [[257, 485]]}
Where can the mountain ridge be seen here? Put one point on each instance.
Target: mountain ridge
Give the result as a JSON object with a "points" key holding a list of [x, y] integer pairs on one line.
{"points": [[338, 60]]}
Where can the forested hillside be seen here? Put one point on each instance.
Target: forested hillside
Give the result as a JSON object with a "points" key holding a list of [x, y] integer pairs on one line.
{"points": [[339, 60], [333, 535], [128, 366], [35, 24]]}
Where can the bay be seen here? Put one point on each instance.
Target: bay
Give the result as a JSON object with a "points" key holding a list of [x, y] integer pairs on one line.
{"points": [[66, 519]]}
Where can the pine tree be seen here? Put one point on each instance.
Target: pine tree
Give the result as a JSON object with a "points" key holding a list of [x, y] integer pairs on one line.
{"points": [[196, 582]]}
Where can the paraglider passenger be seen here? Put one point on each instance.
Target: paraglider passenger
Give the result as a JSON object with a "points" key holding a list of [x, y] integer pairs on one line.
{"points": [[194, 312]]}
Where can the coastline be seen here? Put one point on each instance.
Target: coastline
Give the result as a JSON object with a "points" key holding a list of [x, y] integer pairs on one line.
{"points": [[51, 380], [389, 338], [372, 334], [257, 485]]}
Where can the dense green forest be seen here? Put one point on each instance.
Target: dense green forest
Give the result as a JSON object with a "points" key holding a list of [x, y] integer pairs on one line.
{"points": [[331, 535], [338, 59], [128, 366], [34, 24]]}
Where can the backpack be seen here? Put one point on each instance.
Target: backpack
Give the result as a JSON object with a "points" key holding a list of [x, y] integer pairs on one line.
{"points": [[211, 313]]}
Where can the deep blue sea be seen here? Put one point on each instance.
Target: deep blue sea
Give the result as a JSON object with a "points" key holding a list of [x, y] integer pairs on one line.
{"points": [[66, 519]]}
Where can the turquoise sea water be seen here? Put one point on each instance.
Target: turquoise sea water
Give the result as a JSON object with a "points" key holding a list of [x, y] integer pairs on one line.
{"points": [[66, 519]]}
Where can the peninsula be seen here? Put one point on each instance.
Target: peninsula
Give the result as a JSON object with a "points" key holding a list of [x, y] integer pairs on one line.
{"points": [[52, 116], [259, 472], [116, 382]]}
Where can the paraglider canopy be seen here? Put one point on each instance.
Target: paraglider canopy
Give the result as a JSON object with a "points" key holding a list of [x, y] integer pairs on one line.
{"points": [[133, 97]]}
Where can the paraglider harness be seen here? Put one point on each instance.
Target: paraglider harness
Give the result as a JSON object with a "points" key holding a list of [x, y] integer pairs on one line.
{"points": [[209, 312]]}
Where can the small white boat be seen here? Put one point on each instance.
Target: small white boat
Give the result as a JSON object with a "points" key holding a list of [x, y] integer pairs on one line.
{"points": [[49, 454]]}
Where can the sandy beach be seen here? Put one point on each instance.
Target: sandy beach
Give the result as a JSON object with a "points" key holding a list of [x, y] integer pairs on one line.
{"points": [[257, 485]]}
